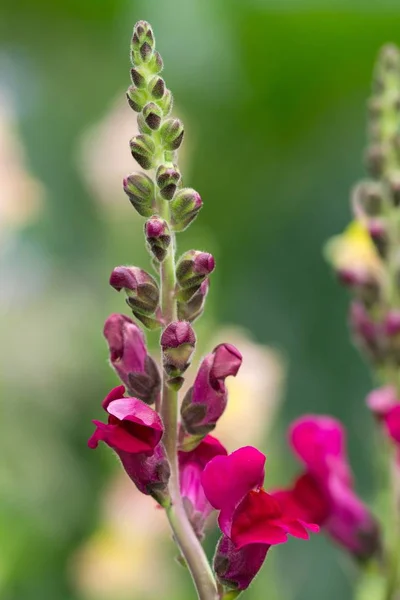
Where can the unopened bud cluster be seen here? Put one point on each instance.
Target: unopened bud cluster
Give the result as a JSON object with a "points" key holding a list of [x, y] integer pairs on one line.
{"points": [[367, 257]]}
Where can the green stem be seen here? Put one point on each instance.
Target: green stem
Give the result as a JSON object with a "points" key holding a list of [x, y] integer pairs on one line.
{"points": [[184, 534]]}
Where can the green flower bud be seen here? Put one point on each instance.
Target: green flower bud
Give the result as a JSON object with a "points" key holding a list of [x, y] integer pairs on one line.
{"points": [[142, 125], [152, 115], [143, 42], [172, 134], [155, 64], [140, 190], [184, 208], [136, 98], [166, 102], [375, 160], [142, 149], [157, 87], [168, 178]]}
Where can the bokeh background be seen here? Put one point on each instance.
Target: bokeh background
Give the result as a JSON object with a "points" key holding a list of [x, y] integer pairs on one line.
{"points": [[272, 93]]}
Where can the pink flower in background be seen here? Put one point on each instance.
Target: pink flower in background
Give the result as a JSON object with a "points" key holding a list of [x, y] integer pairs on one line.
{"points": [[134, 431], [250, 518], [382, 400], [385, 405], [128, 356], [206, 401], [191, 467], [319, 442]]}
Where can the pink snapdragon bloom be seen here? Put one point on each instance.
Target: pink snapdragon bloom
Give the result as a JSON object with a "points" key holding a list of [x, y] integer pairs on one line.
{"points": [[206, 401], [129, 358], [191, 467], [249, 517], [134, 431], [319, 442]]}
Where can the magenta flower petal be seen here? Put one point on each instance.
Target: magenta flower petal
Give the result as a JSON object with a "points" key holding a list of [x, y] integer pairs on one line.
{"points": [[206, 401], [121, 439], [115, 394], [392, 421], [227, 479], [350, 523], [191, 467], [132, 425], [227, 361], [257, 520], [127, 346], [320, 441]]}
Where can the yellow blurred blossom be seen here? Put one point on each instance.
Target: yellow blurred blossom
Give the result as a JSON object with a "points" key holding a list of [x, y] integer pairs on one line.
{"points": [[353, 250]]}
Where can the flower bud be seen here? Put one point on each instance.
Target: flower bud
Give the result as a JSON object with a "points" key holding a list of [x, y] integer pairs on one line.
{"points": [[367, 199], [235, 568], [137, 78], [142, 292], [157, 236], [206, 401], [192, 269], [157, 87], [172, 134], [152, 115], [178, 341], [394, 186], [375, 160], [155, 64], [168, 178], [378, 232], [142, 149], [184, 208], [140, 190], [166, 102], [136, 98], [129, 358], [143, 42], [365, 332], [193, 308]]}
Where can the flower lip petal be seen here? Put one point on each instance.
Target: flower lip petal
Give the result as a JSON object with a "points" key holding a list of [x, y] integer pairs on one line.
{"points": [[115, 394], [120, 439], [227, 479]]}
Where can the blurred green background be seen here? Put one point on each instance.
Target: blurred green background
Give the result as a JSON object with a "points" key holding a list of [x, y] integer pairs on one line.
{"points": [[273, 96]]}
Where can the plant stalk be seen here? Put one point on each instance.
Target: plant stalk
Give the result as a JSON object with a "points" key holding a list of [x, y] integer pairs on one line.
{"points": [[184, 534]]}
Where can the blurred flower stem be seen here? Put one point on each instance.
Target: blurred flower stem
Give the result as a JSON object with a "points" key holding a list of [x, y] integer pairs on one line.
{"points": [[384, 133]]}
